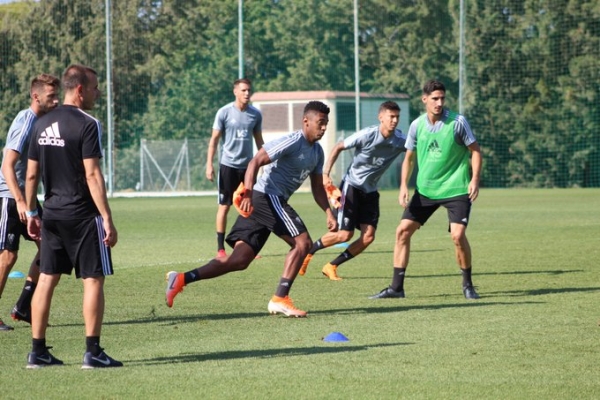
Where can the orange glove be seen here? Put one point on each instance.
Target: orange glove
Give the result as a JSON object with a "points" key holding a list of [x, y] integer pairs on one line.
{"points": [[334, 195], [238, 195]]}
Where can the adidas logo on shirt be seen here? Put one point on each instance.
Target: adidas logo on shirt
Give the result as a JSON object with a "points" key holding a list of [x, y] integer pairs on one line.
{"points": [[51, 137]]}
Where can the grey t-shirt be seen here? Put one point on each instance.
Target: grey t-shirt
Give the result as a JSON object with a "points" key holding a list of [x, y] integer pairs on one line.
{"points": [[237, 134], [373, 156], [293, 159], [17, 139]]}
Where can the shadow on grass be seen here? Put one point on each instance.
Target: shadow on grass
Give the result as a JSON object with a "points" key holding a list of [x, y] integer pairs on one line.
{"points": [[267, 353], [544, 291], [476, 273]]}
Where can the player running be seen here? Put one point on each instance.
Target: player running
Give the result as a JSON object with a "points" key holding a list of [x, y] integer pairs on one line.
{"points": [[289, 160], [376, 148]]}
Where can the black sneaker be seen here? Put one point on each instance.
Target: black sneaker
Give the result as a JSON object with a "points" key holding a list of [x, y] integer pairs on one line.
{"points": [[388, 293], [4, 327], [102, 360], [19, 315], [470, 293], [42, 360]]}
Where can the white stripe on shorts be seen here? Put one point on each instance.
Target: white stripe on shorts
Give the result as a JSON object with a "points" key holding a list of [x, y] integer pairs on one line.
{"points": [[283, 215], [105, 259]]}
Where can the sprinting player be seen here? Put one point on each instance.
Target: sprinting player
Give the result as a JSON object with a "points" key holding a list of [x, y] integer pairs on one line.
{"points": [[289, 160], [78, 230], [235, 124], [442, 142], [376, 148], [44, 98]]}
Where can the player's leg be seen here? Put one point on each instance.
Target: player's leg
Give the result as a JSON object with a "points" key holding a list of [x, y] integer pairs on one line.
{"points": [[11, 228], [22, 309], [94, 264], [347, 215], [459, 210], [414, 216], [288, 225], [247, 238], [40, 311], [366, 215], [228, 181]]}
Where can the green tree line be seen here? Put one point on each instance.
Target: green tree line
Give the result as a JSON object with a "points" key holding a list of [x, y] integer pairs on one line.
{"points": [[532, 68]]}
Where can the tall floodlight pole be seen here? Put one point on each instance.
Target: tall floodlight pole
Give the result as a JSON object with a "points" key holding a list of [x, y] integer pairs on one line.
{"points": [[240, 39], [461, 59], [109, 98], [356, 68]]}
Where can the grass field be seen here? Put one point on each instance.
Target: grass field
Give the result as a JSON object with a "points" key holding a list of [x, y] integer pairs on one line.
{"points": [[534, 333]]}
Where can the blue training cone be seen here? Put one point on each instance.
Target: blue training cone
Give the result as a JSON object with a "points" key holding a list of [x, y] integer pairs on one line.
{"points": [[343, 245], [16, 274], [335, 337]]}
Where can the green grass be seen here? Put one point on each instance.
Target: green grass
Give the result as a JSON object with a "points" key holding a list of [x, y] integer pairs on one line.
{"points": [[533, 334]]}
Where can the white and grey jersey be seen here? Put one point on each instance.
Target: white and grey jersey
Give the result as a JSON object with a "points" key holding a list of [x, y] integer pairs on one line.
{"points": [[17, 139], [237, 134], [462, 130], [293, 159], [373, 156]]}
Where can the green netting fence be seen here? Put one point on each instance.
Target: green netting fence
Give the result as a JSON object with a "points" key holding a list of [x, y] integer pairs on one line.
{"points": [[525, 73]]}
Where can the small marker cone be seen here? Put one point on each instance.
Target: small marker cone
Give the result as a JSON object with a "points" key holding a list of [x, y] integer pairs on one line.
{"points": [[16, 274], [343, 245], [335, 337]]}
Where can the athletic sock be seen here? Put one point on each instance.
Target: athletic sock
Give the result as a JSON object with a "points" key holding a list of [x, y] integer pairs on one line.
{"points": [[466, 277], [283, 289], [38, 346], [191, 276], [92, 344], [398, 279], [220, 240], [318, 245], [342, 258], [24, 302]]}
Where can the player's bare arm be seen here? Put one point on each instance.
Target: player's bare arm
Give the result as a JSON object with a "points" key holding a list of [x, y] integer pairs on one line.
{"points": [[10, 176], [96, 184], [476, 166], [261, 158], [333, 155], [213, 142], [407, 169], [258, 139], [32, 177], [320, 196]]}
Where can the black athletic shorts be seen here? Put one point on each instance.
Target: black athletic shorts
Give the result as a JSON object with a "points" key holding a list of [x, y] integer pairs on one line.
{"points": [[420, 208], [357, 208], [11, 227], [75, 244], [228, 181], [271, 214]]}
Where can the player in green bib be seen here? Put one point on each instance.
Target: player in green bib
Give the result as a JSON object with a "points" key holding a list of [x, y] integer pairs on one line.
{"points": [[449, 167]]}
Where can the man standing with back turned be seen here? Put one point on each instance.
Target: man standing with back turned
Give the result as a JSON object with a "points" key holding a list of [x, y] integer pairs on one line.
{"points": [[442, 141], [78, 231], [236, 124]]}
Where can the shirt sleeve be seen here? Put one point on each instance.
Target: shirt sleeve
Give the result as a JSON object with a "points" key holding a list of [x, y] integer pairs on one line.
{"points": [[463, 132], [92, 139]]}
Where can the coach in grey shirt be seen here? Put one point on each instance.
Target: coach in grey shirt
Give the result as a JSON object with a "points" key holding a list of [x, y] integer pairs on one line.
{"points": [[235, 124]]}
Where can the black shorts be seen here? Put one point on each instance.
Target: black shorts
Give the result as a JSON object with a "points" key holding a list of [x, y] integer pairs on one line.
{"points": [[75, 244], [271, 214], [228, 181], [420, 208], [358, 208], [11, 227]]}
